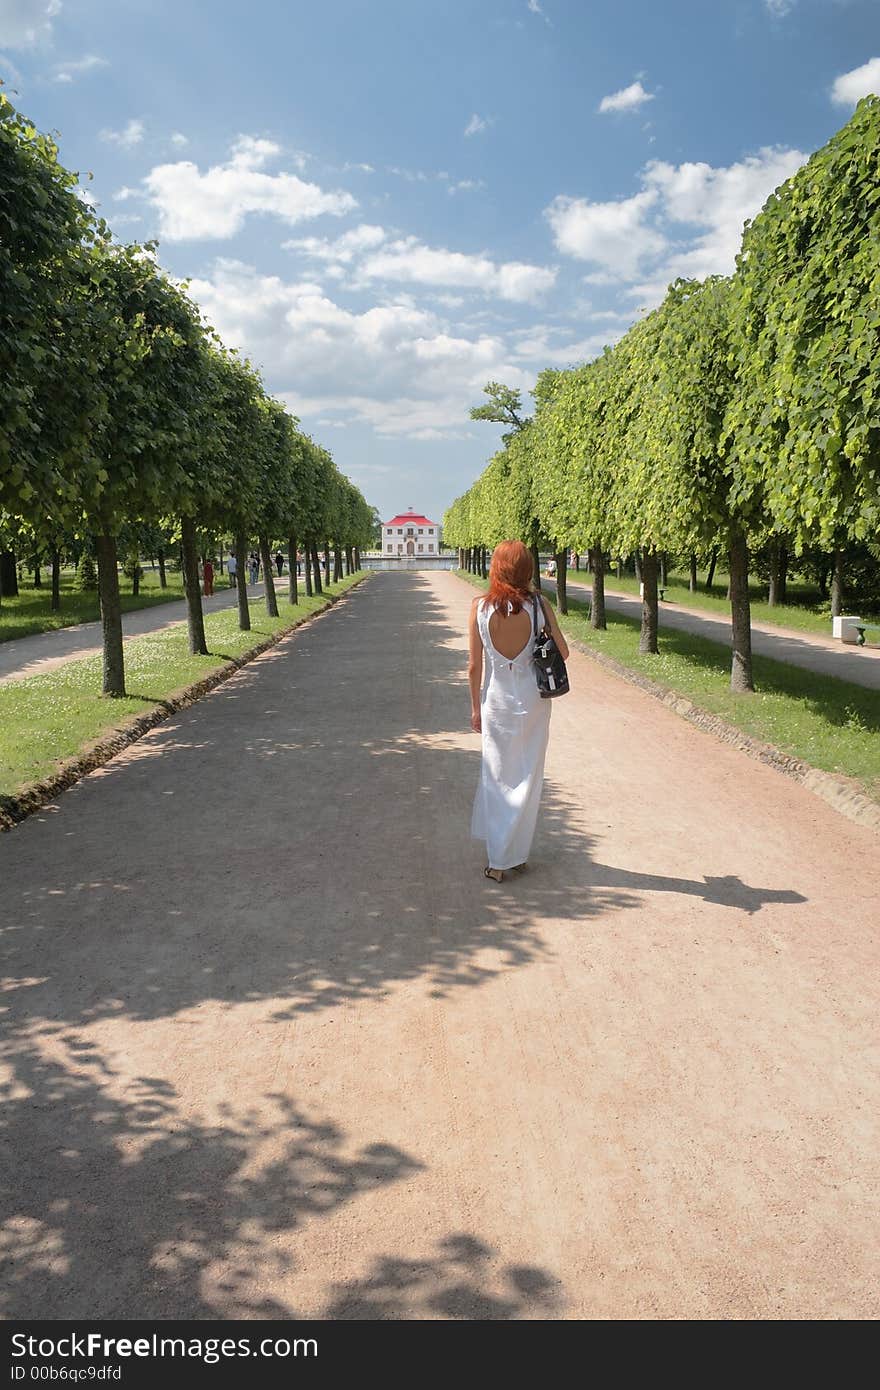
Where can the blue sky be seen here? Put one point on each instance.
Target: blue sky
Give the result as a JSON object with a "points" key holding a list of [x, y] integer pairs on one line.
{"points": [[387, 204]]}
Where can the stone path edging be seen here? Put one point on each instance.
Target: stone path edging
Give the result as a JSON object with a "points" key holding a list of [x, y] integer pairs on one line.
{"points": [[837, 791], [15, 809]]}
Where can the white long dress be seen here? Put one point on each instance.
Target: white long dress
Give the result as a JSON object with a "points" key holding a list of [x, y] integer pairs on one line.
{"points": [[516, 726]]}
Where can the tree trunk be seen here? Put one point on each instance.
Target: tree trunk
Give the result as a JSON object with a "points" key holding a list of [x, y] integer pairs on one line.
{"points": [[241, 560], [136, 576], [195, 619], [111, 615], [8, 574], [692, 581], [484, 567], [292, 589], [561, 581], [773, 585], [740, 615], [713, 561], [38, 573], [163, 578], [783, 573], [664, 570], [349, 560], [838, 589], [316, 569], [268, 575], [637, 566], [620, 568], [56, 579], [823, 582], [597, 609], [307, 567], [648, 634], [326, 564], [337, 564], [357, 558], [536, 561], [577, 560]]}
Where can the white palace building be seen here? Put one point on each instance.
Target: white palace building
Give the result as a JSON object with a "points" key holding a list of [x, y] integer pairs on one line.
{"points": [[410, 534]]}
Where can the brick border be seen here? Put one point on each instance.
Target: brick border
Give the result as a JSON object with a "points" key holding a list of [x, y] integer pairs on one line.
{"points": [[15, 809]]}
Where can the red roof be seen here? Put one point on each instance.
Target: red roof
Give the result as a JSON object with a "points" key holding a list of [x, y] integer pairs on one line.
{"points": [[409, 519]]}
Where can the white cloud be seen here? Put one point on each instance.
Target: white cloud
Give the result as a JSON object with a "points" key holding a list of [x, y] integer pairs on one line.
{"points": [[627, 99], [179, 139], [68, 72], [851, 86], [359, 168], [125, 139], [343, 250], [466, 186], [477, 124], [632, 240], [535, 8], [410, 261], [399, 368], [615, 236], [26, 22], [778, 8], [214, 205]]}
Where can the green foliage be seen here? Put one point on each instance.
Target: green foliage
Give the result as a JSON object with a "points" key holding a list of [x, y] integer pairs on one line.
{"points": [[120, 411], [747, 406], [806, 418], [86, 574]]}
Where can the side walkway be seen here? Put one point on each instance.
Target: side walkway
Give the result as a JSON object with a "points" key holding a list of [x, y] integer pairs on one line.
{"points": [[861, 665], [31, 656]]}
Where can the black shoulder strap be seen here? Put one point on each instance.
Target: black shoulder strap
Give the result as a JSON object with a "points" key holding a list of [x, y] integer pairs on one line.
{"points": [[543, 624]]}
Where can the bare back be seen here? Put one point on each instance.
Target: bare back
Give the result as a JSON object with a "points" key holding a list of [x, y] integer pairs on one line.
{"points": [[510, 632]]}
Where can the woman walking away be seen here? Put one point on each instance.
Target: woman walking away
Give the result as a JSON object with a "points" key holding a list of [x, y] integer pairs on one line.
{"points": [[507, 709]]}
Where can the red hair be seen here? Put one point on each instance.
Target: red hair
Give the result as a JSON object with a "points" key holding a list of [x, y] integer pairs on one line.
{"points": [[510, 576]]}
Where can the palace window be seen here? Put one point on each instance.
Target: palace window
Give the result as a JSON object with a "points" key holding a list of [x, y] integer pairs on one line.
{"points": [[430, 545], [399, 547], [400, 530], [388, 531]]}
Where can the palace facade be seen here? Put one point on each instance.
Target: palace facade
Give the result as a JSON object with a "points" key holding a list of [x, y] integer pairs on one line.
{"points": [[410, 534]]}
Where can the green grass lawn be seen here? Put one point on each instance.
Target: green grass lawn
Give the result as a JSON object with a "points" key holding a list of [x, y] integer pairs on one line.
{"points": [[830, 724], [804, 611], [29, 612], [47, 719]]}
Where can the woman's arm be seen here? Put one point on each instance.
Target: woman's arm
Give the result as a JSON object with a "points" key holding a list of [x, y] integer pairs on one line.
{"points": [[550, 615], [475, 666]]}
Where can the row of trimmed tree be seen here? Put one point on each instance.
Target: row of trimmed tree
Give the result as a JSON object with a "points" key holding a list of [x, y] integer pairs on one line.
{"points": [[744, 412], [120, 408]]}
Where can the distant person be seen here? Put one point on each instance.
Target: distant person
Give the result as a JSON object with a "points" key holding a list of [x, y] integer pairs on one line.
{"points": [[551, 569], [279, 562], [232, 570], [255, 567], [507, 708], [208, 578]]}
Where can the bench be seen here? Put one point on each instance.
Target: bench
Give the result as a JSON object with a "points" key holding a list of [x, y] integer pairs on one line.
{"points": [[850, 628]]}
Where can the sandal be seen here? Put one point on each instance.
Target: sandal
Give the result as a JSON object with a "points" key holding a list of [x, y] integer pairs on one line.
{"points": [[496, 875]]}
